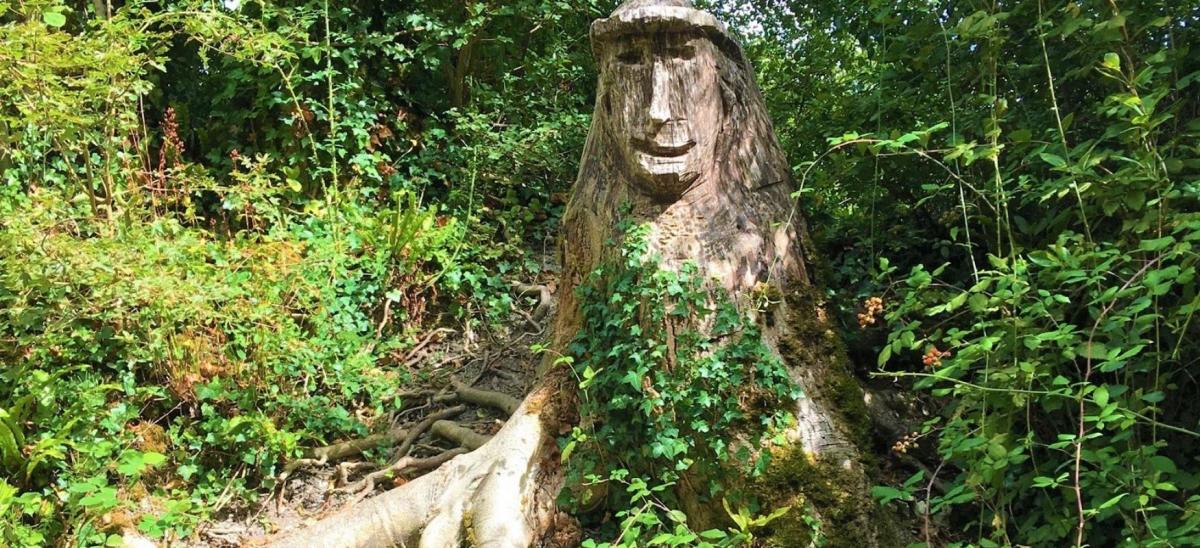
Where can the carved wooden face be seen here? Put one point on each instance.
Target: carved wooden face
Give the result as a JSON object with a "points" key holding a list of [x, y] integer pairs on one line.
{"points": [[664, 107]]}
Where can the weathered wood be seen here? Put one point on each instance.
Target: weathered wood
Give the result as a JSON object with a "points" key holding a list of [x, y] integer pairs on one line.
{"points": [[681, 141]]}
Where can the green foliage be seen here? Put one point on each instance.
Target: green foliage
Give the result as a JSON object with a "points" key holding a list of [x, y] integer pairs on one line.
{"points": [[220, 226], [1018, 183], [671, 375], [162, 324]]}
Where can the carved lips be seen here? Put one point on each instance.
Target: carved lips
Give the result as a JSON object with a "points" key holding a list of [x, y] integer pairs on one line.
{"points": [[654, 148]]}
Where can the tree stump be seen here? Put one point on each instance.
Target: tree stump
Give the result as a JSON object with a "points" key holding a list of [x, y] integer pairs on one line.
{"points": [[680, 142]]}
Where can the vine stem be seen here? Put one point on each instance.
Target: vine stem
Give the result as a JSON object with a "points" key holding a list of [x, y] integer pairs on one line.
{"points": [[1062, 133], [1087, 374], [962, 198], [333, 164], [867, 140]]}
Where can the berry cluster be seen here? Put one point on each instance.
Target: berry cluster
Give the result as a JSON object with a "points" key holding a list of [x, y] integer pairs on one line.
{"points": [[909, 441], [933, 357], [872, 308]]}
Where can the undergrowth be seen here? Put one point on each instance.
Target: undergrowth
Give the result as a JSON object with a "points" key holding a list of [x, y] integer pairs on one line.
{"points": [[224, 225]]}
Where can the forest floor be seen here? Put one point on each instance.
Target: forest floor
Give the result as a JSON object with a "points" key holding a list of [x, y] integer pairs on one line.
{"points": [[498, 360]]}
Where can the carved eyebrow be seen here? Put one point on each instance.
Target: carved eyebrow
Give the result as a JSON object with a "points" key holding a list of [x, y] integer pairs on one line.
{"points": [[683, 37]]}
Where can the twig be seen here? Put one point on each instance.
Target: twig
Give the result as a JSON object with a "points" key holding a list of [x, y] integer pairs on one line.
{"points": [[346, 468], [364, 486], [410, 358]]}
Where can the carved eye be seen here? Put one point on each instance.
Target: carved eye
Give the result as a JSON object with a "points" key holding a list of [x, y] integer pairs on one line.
{"points": [[685, 52], [630, 57]]}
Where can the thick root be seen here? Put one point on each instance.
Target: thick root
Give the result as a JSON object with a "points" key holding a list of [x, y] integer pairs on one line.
{"points": [[500, 495], [496, 400]]}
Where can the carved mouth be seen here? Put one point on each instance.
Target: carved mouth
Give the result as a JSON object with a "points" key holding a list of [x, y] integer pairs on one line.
{"points": [[663, 151]]}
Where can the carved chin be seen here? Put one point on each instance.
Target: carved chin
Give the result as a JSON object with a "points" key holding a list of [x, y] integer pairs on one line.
{"points": [[665, 178]]}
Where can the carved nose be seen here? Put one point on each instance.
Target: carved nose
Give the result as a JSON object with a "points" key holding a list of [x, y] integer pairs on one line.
{"points": [[660, 97]]}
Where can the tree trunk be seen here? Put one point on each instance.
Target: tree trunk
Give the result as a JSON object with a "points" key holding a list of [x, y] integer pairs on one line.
{"points": [[682, 144]]}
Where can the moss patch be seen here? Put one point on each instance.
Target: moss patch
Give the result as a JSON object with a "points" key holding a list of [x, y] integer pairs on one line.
{"points": [[815, 489], [828, 500], [812, 344], [825, 493]]}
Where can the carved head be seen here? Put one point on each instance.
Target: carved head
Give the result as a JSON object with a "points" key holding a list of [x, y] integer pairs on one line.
{"points": [[661, 91]]}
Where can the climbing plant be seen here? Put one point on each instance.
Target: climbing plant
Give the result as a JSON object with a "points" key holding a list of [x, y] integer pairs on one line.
{"points": [[676, 387]]}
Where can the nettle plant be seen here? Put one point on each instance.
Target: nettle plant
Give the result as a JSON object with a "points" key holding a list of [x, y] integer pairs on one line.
{"points": [[677, 386]]}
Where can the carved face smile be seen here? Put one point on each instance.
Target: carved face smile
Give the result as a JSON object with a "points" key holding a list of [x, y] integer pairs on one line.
{"points": [[665, 101]]}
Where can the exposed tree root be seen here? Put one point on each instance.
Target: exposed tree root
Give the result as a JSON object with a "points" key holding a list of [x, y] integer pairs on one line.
{"points": [[322, 455], [545, 298], [495, 400], [350, 448], [458, 434], [500, 495], [421, 427], [367, 484]]}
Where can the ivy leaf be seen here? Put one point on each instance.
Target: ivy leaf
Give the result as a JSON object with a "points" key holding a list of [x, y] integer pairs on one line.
{"points": [[134, 462], [105, 498]]}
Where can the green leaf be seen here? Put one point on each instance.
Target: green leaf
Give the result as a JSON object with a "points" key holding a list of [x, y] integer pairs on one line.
{"points": [[10, 452], [885, 494], [884, 355], [153, 459], [54, 18], [1112, 61], [134, 462], [1110, 502], [105, 498], [1053, 159], [1095, 351], [1156, 244], [662, 538], [1163, 464]]}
